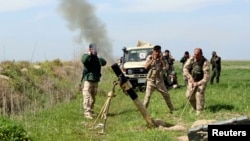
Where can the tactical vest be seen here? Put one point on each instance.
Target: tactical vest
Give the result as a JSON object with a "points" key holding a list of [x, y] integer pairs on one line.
{"points": [[155, 70], [196, 69]]}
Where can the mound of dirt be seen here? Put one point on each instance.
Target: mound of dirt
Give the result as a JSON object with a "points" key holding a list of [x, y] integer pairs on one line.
{"points": [[166, 126], [202, 122]]}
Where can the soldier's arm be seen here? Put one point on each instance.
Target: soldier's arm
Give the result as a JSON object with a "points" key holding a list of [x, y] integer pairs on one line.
{"points": [[85, 58], [171, 58], [182, 60], [163, 62], [186, 68], [211, 60], [206, 71], [102, 61], [149, 61], [219, 59], [164, 66]]}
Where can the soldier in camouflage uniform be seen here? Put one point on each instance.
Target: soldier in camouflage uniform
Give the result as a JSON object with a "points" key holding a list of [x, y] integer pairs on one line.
{"points": [[157, 68], [196, 69], [91, 76]]}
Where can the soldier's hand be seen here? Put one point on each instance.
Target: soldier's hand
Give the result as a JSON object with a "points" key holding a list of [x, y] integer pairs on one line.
{"points": [[161, 56], [153, 56], [191, 80], [195, 84]]}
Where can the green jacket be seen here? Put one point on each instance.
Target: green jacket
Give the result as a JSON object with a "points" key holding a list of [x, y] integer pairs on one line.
{"points": [[92, 67]]}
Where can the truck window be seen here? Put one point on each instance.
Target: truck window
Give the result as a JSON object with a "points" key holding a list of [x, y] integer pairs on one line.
{"points": [[138, 54], [133, 57]]}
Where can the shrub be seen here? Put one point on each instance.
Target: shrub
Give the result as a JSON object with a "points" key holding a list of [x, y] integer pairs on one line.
{"points": [[11, 131]]}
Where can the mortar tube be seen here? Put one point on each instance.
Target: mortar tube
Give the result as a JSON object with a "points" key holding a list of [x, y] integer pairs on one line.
{"points": [[126, 85]]}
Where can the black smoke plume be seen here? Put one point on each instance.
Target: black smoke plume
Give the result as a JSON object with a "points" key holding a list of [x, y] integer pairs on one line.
{"points": [[81, 17]]}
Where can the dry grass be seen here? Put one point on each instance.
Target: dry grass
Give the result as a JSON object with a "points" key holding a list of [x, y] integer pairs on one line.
{"points": [[30, 87]]}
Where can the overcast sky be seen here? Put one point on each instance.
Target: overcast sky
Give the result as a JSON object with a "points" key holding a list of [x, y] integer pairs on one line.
{"points": [[38, 30]]}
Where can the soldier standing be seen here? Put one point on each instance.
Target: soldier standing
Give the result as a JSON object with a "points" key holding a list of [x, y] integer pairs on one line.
{"points": [[216, 67], [183, 61], [157, 66], [196, 69], [91, 76], [169, 61]]}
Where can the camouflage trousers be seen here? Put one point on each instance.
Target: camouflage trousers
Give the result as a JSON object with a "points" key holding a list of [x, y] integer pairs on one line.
{"points": [[160, 86], [89, 92], [196, 96]]}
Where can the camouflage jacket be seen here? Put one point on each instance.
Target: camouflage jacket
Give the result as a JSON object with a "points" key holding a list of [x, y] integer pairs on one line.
{"points": [[156, 70]]}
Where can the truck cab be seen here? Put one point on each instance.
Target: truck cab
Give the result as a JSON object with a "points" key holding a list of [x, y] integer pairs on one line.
{"points": [[133, 62]]}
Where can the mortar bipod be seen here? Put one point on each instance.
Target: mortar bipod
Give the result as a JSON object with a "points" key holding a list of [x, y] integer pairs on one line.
{"points": [[104, 111]]}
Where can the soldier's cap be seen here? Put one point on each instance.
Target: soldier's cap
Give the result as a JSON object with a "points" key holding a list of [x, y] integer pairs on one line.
{"points": [[213, 53], [92, 45], [186, 52], [167, 51], [157, 47]]}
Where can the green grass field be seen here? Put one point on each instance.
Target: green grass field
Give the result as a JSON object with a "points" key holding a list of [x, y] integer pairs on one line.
{"points": [[65, 121]]}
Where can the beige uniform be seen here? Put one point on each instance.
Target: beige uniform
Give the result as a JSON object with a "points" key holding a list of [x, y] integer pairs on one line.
{"points": [[196, 95], [155, 81], [89, 93]]}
